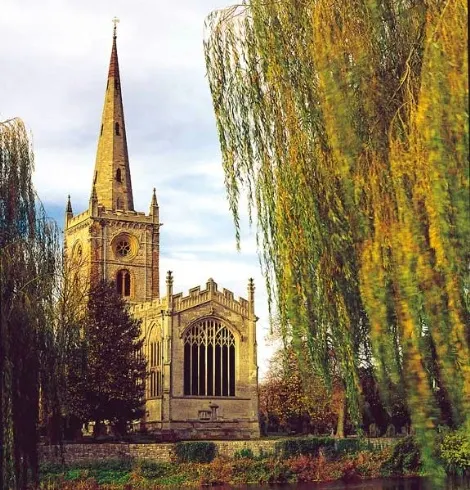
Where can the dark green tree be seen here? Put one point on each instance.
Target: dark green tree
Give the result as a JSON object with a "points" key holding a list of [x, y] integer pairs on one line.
{"points": [[28, 264], [108, 373]]}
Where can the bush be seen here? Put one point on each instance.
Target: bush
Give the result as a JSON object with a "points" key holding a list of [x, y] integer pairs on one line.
{"points": [[350, 446], [310, 446], [405, 458], [297, 446], [454, 450], [152, 470], [244, 453], [195, 452]]}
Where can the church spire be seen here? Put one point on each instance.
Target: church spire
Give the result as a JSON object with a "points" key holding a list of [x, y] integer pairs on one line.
{"points": [[112, 178]]}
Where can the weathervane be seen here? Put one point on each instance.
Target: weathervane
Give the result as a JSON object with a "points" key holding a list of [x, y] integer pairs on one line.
{"points": [[115, 21]]}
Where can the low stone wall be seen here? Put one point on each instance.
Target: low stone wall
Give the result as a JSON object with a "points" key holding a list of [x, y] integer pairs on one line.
{"points": [[78, 453], [161, 452]]}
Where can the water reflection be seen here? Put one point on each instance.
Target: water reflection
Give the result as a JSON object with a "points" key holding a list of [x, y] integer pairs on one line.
{"points": [[380, 484]]}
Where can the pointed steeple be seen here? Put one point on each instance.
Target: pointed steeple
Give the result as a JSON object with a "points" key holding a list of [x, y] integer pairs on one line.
{"points": [[112, 178]]}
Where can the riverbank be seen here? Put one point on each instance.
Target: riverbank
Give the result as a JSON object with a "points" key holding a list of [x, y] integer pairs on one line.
{"points": [[296, 460], [293, 460]]}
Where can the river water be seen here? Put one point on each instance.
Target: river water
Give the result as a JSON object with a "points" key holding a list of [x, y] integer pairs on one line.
{"points": [[379, 484]]}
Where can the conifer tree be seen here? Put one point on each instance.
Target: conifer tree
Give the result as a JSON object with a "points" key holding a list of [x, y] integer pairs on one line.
{"points": [[110, 382]]}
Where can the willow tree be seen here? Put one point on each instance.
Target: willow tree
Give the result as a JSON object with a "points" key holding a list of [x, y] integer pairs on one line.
{"points": [[345, 124], [28, 254]]}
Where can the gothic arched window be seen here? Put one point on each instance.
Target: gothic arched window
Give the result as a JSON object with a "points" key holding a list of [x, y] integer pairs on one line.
{"points": [[209, 360], [123, 282], [155, 378], [118, 175], [116, 128]]}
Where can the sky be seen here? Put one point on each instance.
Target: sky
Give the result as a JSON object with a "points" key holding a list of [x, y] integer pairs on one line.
{"points": [[54, 58]]}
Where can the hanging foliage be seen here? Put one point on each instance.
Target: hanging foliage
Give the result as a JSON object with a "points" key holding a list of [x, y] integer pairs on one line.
{"points": [[28, 254], [346, 124]]}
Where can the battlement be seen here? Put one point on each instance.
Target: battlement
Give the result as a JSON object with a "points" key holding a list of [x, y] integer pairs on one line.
{"points": [[147, 306], [198, 296], [75, 220], [134, 216]]}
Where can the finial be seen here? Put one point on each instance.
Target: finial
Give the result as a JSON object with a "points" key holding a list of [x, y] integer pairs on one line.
{"points": [[169, 278], [69, 205], [115, 22], [154, 197]]}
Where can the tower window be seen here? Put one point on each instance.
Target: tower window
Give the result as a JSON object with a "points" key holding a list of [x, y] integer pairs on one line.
{"points": [[118, 175], [101, 132], [116, 129], [209, 360], [123, 283], [123, 248]]}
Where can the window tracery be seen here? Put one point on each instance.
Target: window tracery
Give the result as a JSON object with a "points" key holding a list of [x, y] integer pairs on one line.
{"points": [[155, 363], [209, 360]]}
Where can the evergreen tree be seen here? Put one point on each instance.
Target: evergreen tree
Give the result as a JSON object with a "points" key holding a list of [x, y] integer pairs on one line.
{"points": [[110, 374]]}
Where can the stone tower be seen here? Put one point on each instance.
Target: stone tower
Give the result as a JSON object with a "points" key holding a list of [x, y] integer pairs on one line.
{"points": [[110, 240], [200, 348]]}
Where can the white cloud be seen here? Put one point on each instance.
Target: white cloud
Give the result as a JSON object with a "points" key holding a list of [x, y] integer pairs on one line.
{"points": [[54, 56]]}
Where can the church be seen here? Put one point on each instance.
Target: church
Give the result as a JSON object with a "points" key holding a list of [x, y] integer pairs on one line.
{"points": [[200, 346]]}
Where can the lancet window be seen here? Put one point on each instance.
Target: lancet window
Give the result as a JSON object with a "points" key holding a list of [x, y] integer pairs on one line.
{"points": [[209, 360], [155, 379], [123, 282]]}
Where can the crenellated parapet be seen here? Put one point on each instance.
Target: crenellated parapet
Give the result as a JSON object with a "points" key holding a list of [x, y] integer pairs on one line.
{"points": [[156, 305], [198, 296], [78, 219]]}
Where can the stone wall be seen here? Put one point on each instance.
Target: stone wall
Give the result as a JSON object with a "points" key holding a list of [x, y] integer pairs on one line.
{"points": [[77, 453]]}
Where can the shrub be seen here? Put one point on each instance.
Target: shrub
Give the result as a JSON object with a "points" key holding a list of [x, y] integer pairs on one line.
{"points": [[218, 472], [405, 458], [297, 446], [454, 450], [259, 471], [350, 446], [244, 453], [51, 468], [333, 448], [152, 470], [195, 452]]}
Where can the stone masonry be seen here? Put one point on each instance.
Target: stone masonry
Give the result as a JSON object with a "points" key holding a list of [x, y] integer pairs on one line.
{"points": [[200, 348]]}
